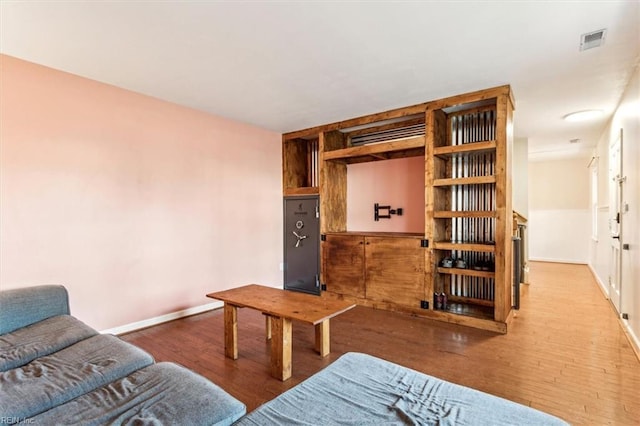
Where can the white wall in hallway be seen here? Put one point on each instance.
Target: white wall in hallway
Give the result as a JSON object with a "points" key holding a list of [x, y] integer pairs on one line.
{"points": [[559, 218], [559, 235], [520, 176], [627, 119]]}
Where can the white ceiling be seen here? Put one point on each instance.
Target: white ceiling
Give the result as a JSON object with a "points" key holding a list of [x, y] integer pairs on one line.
{"points": [[291, 65]]}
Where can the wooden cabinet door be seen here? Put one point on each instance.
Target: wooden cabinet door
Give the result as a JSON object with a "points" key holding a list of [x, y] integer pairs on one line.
{"points": [[343, 262], [394, 270]]}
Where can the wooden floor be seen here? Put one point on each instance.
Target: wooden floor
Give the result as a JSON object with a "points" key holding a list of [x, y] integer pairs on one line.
{"points": [[565, 352]]}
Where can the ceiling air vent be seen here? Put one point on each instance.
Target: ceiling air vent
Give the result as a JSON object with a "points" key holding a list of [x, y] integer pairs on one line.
{"points": [[592, 39]]}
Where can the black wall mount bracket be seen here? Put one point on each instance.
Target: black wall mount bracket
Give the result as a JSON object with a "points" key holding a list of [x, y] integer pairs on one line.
{"points": [[385, 212]]}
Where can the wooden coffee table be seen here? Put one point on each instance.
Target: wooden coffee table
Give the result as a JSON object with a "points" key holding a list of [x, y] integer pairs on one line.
{"points": [[280, 307]]}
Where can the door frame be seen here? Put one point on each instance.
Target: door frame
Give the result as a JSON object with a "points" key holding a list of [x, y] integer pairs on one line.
{"points": [[615, 181]]}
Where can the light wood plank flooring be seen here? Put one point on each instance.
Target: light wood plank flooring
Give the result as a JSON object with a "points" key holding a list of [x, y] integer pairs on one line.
{"points": [[565, 352]]}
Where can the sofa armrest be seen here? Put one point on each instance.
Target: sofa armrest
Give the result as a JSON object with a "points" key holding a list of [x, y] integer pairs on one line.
{"points": [[25, 306]]}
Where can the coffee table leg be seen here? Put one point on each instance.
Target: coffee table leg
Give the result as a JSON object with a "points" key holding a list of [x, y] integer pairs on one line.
{"points": [[231, 331], [267, 324], [323, 341], [281, 348]]}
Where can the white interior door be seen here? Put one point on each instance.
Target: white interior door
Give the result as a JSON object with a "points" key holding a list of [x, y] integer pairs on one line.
{"points": [[615, 219]]}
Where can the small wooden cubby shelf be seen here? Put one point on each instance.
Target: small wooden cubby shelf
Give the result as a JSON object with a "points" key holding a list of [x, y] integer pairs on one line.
{"points": [[471, 301], [473, 180], [470, 148], [467, 272], [465, 143], [446, 245], [449, 214], [300, 167]]}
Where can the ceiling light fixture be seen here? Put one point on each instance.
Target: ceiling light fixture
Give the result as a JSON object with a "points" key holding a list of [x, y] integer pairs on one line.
{"points": [[588, 114]]}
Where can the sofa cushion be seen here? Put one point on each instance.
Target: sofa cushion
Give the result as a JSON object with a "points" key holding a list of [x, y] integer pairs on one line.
{"points": [[64, 375], [24, 306], [40, 339], [360, 389], [162, 393]]}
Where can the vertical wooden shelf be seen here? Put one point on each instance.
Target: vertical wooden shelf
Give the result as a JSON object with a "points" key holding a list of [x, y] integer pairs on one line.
{"points": [[469, 195], [333, 184]]}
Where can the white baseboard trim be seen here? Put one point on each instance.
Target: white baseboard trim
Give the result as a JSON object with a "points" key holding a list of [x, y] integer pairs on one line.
{"points": [[603, 288], [633, 338], [634, 341], [544, 259], [127, 328]]}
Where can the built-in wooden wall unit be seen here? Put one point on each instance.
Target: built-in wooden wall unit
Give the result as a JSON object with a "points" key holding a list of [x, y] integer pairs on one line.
{"points": [[466, 143]]}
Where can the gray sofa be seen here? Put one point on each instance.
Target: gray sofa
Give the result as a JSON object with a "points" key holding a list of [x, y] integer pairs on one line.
{"points": [[54, 369]]}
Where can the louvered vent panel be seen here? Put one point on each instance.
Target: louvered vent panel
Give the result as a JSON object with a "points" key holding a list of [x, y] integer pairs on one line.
{"points": [[592, 39], [389, 135]]}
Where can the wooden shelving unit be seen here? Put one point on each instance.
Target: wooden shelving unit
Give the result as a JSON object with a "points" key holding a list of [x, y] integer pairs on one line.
{"points": [[468, 197], [465, 142]]}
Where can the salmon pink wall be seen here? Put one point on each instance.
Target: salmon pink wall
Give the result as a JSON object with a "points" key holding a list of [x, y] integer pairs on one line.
{"points": [[138, 206], [398, 183]]}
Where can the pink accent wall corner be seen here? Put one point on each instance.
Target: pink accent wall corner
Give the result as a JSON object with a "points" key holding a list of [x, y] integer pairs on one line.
{"points": [[138, 206]]}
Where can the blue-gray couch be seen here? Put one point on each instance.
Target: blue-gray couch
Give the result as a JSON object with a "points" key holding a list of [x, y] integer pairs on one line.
{"points": [[54, 369]]}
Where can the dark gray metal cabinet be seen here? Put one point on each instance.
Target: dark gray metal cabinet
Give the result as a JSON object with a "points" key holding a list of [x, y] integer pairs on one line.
{"points": [[302, 244]]}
